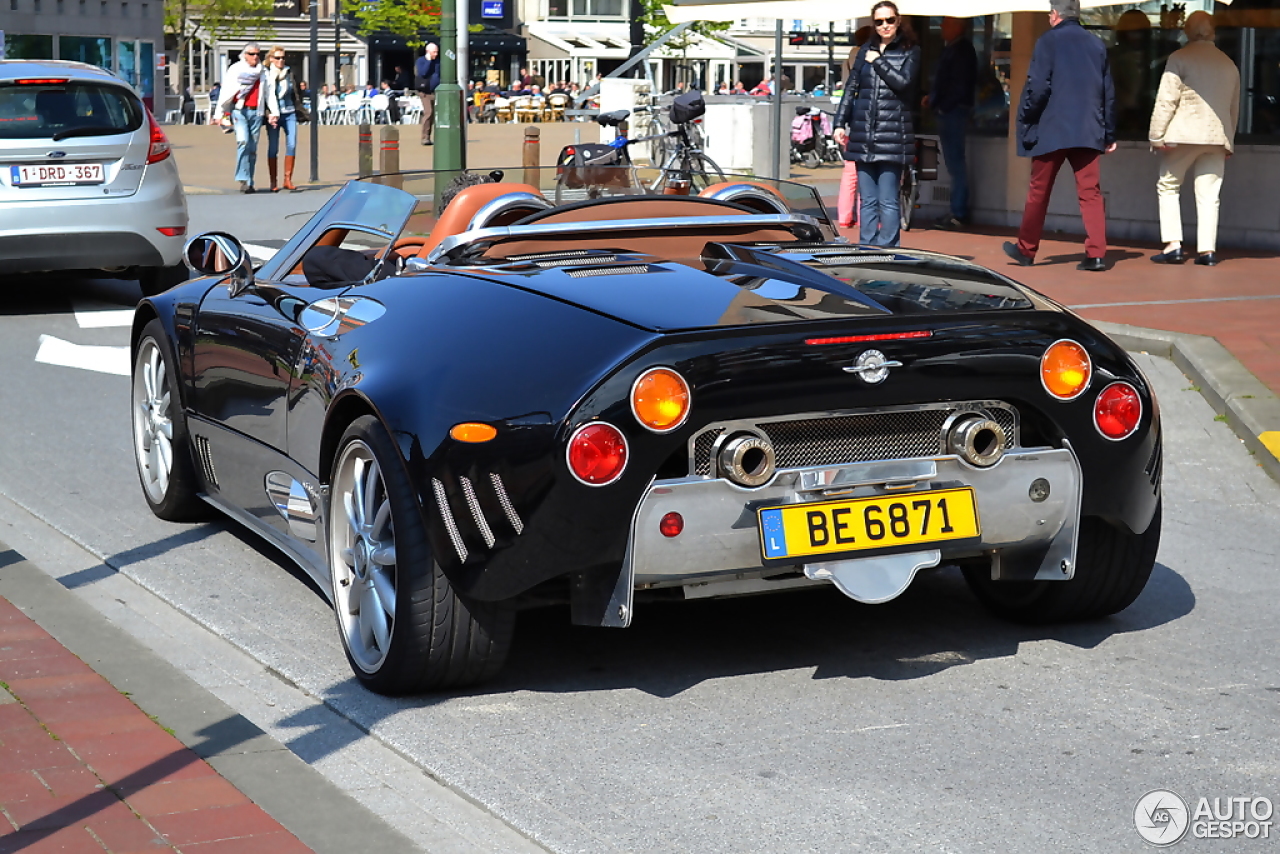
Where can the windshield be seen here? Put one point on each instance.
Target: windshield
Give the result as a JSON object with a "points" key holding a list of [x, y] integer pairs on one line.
{"points": [[58, 109]]}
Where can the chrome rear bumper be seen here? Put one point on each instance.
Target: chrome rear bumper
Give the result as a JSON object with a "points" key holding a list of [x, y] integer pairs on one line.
{"points": [[1030, 531]]}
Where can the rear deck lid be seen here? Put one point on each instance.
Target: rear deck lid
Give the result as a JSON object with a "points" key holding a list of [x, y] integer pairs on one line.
{"points": [[734, 285]]}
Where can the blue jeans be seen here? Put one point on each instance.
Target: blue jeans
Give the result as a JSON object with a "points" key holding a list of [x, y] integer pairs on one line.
{"points": [[248, 124], [288, 121], [952, 127], [878, 213]]}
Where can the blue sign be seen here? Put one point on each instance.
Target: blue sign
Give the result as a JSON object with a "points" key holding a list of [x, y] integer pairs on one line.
{"points": [[492, 8]]}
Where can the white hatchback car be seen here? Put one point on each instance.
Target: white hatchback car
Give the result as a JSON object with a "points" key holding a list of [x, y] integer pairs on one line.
{"points": [[87, 179]]}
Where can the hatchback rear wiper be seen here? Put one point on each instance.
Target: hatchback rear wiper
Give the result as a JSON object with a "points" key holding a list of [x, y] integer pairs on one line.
{"points": [[86, 131]]}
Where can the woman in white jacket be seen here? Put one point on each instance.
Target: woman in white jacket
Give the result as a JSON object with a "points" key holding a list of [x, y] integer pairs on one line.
{"points": [[283, 105], [1193, 126]]}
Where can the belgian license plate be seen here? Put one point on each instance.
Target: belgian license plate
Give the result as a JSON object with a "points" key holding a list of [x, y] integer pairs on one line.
{"points": [[56, 173], [858, 524]]}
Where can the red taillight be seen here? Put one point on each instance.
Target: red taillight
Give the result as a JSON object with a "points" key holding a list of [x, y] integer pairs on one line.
{"points": [[173, 230], [671, 525], [1117, 410], [43, 81], [159, 142], [597, 453], [882, 336]]}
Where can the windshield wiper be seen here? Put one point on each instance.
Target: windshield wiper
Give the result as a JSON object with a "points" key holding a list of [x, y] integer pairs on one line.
{"points": [[85, 131]]}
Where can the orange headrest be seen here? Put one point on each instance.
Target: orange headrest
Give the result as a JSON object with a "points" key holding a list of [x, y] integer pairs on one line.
{"points": [[459, 213]]}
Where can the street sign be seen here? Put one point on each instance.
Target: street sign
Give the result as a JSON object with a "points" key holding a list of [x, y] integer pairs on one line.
{"points": [[492, 8]]}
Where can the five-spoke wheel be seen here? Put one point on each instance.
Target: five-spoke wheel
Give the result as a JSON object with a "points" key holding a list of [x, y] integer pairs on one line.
{"points": [[160, 446]]}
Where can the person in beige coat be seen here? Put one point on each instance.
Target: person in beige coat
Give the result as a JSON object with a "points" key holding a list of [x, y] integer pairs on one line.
{"points": [[1193, 126]]}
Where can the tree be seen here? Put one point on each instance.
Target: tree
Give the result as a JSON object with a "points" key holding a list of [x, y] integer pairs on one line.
{"points": [[407, 18], [656, 23], [214, 20]]}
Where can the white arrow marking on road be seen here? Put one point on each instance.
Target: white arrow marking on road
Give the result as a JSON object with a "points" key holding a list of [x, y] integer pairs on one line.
{"points": [[96, 314], [259, 252], [107, 360]]}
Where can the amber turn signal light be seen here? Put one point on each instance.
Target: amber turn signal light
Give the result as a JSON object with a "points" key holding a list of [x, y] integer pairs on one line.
{"points": [[1065, 370], [471, 431], [660, 399]]}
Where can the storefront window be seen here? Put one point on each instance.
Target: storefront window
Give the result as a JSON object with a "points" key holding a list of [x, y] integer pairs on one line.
{"points": [[127, 63], [28, 47], [992, 39], [1141, 37], [597, 8], [94, 51]]}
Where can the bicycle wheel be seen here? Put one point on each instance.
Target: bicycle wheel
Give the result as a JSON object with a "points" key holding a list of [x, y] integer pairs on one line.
{"points": [[703, 172], [907, 195]]}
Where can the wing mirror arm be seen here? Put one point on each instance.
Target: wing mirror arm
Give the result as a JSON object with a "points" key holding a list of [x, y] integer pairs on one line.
{"points": [[218, 253]]}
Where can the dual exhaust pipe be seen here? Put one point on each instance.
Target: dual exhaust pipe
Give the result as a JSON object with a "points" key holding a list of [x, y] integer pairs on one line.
{"points": [[749, 460]]}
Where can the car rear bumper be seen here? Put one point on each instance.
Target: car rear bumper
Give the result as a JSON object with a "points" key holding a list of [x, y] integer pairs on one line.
{"points": [[721, 540], [98, 233]]}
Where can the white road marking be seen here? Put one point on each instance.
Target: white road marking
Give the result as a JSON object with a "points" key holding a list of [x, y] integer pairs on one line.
{"points": [[96, 314], [106, 360], [259, 252]]}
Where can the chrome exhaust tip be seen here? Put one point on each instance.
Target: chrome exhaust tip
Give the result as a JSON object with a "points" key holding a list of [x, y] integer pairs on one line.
{"points": [[747, 460], [977, 440]]}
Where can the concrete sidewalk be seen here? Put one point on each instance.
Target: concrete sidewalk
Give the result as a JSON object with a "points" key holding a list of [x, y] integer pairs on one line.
{"points": [[105, 747]]}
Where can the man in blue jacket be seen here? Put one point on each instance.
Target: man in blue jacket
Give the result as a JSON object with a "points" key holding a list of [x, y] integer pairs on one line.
{"points": [[1067, 114], [951, 98], [426, 78]]}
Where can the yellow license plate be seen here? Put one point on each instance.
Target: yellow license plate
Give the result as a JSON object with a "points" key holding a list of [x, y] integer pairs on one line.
{"points": [[858, 524]]}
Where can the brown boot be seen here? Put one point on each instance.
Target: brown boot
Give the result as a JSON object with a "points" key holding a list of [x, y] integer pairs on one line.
{"points": [[288, 173], [271, 170]]}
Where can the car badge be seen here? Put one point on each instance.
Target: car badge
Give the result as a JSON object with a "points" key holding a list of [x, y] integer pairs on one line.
{"points": [[872, 367], [54, 155]]}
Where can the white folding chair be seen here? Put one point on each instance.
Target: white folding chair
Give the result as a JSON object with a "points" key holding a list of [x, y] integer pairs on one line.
{"points": [[411, 110], [379, 110]]}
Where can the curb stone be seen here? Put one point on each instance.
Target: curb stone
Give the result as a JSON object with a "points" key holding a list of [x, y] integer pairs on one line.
{"points": [[1251, 409]]}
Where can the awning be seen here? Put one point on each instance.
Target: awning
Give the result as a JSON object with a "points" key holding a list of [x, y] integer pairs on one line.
{"points": [[559, 40], [680, 11]]}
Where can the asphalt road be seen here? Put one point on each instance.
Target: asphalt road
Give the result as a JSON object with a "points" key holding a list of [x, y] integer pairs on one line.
{"points": [[787, 723]]}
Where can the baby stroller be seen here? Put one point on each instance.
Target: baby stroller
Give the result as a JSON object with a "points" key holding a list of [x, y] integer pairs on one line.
{"points": [[811, 141]]}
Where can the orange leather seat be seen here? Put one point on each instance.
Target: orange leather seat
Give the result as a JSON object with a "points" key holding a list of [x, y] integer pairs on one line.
{"points": [[457, 216]]}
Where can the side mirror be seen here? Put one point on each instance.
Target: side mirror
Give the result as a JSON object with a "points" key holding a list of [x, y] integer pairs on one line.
{"points": [[216, 252]]}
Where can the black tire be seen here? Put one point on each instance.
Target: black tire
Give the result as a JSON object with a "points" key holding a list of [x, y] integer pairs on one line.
{"points": [[1112, 567], [161, 446], [379, 551], [703, 173], [157, 280], [907, 195]]}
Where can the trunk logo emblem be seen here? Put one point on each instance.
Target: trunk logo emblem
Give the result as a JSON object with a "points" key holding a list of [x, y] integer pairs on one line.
{"points": [[872, 367], [56, 154]]}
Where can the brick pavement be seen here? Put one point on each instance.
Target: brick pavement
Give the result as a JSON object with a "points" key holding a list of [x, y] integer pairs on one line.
{"points": [[83, 769]]}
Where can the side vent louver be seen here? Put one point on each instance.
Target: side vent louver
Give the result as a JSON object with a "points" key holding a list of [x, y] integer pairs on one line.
{"points": [[446, 516], [482, 524], [507, 507], [204, 459]]}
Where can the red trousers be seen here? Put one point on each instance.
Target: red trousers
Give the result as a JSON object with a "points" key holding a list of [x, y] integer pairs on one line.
{"points": [[1044, 169]]}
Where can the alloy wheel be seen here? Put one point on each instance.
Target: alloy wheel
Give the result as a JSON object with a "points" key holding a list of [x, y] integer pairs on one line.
{"points": [[362, 554]]}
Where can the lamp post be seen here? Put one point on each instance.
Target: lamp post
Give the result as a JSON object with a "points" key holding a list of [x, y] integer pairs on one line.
{"points": [[448, 158], [313, 73]]}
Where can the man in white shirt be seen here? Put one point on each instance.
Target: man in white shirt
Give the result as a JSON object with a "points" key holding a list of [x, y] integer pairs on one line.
{"points": [[243, 99]]}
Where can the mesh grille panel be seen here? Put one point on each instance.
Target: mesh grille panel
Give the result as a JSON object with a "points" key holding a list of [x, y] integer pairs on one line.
{"points": [[861, 437]]}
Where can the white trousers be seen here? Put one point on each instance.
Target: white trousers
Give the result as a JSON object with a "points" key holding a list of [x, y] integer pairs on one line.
{"points": [[1206, 163]]}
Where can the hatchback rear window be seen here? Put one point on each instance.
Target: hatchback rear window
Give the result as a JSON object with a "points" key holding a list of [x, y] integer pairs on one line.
{"points": [[57, 110]]}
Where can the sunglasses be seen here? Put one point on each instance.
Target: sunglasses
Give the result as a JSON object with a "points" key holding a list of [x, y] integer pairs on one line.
{"points": [[278, 56], [886, 22], [250, 53]]}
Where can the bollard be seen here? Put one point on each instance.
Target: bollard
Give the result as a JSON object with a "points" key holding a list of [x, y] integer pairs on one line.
{"points": [[532, 156], [366, 152], [389, 158]]}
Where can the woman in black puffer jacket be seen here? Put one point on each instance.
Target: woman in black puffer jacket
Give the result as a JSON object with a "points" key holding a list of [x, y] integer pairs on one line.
{"points": [[873, 122]]}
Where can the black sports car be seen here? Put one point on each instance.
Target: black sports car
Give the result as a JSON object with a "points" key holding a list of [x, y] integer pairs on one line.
{"points": [[633, 397]]}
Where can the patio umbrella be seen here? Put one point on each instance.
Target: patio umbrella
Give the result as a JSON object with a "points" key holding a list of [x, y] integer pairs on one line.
{"points": [[680, 11]]}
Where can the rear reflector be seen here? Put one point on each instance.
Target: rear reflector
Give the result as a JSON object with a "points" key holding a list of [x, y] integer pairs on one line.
{"points": [[159, 142], [173, 230], [884, 336]]}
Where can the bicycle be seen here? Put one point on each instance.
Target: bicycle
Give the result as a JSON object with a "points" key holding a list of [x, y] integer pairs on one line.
{"points": [[923, 166], [598, 168]]}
